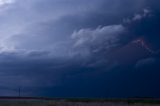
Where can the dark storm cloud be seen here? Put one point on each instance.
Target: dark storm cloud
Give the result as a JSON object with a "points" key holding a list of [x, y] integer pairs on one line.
{"points": [[145, 62], [55, 47], [32, 71]]}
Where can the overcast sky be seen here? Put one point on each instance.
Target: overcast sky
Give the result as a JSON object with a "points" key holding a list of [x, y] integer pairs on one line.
{"points": [[80, 48]]}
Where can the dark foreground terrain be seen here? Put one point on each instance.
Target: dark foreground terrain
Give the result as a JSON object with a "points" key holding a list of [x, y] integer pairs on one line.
{"points": [[27, 101]]}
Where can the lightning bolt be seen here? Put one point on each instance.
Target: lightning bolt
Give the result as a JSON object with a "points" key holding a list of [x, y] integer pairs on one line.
{"points": [[142, 42]]}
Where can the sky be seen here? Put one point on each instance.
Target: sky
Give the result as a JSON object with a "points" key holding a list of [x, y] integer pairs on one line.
{"points": [[80, 48]]}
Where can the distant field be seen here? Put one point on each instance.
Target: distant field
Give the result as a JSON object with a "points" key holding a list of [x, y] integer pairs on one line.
{"points": [[29, 101]]}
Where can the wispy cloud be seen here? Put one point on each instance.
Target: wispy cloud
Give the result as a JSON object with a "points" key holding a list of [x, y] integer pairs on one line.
{"points": [[139, 16], [4, 2]]}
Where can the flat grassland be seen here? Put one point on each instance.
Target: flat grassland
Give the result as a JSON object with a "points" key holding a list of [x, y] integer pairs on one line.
{"points": [[31, 101]]}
